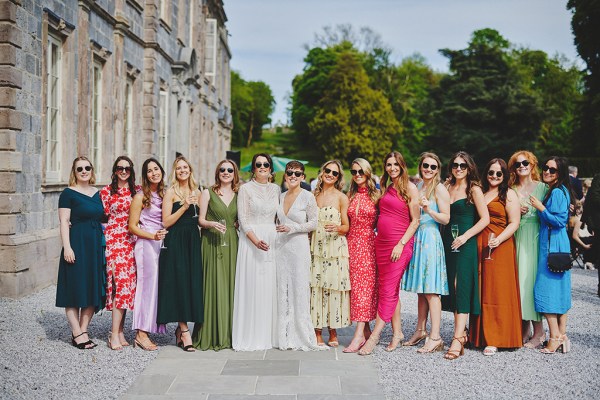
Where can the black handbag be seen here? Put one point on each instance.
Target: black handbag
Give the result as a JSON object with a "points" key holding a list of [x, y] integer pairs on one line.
{"points": [[558, 262]]}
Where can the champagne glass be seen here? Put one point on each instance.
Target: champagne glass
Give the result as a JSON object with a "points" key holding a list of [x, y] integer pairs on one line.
{"points": [[454, 231], [490, 238], [223, 241], [421, 197], [162, 241], [195, 207]]}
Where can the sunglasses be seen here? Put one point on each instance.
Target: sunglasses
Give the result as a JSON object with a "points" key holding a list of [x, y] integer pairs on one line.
{"points": [[329, 171], [87, 168], [357, 172], [262, 165], [498, 173], [523, 163], [551, 170], [123, 169], [433, 167], [297, 173], [230, 170], [459, 166]]}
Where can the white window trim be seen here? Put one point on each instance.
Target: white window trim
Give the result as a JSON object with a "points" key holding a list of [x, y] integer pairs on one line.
{"points": [[53, 174], [210, 60], [95, 139], [128, 116], [163, 129]]}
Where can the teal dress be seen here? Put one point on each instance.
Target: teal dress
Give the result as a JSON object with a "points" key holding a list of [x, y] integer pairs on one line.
{"points": [[462, 267], [81, 284], [180, 272], [218, 263]]}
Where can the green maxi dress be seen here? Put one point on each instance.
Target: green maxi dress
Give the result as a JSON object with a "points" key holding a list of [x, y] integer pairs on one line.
{"points": [[219, 277], [527, 244], [462, 267], [180, 272]]}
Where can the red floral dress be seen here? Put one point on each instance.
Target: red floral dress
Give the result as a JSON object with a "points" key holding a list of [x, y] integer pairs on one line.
{"points": [[362, 214], [120, 261]]}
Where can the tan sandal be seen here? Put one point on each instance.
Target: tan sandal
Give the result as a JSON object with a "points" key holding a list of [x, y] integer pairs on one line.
{"points": [[437, 347], [422, 337], [395, 342], [454, 354], [369, 346]]}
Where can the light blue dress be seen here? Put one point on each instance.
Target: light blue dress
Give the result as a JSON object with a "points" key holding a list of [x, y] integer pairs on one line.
{"points": [[426, 272], [552, 291]]}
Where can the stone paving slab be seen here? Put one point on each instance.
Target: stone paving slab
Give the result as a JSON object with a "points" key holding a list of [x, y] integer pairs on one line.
{"points": [[262, 367]]}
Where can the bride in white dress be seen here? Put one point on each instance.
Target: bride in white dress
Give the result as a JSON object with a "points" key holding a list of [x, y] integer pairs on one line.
{"points": [[297, 214], [255, 295]]}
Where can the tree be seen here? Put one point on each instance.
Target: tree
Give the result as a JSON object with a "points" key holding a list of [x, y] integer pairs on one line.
{"points": [[353, 120]]}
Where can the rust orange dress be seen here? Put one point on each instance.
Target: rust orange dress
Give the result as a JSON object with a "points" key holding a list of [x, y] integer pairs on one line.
{"points": [[499, 323]]}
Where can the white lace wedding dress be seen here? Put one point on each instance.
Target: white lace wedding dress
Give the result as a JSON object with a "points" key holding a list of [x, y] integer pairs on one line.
{"points": [[255, 295], [295, 326]]}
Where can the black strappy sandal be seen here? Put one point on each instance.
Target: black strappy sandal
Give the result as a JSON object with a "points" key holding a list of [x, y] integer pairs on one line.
{"points": [[82, 345], [190, 347]]}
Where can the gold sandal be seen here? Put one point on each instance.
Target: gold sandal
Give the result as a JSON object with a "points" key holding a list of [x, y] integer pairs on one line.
{"points": [[437, 347], [396, 340], [369, 346], [418, 340]]}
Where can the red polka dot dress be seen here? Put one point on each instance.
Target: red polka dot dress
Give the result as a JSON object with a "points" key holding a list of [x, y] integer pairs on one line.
{"points": [[120, 261], [362, 214]]}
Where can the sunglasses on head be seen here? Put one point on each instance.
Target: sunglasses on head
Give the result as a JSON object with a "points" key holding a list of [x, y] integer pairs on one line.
{"points": [[355, 172], [459, 165], [329, 171], [262, 165], [551, 170], [297, 173], [433, 167], [230, 170], [87, 168], [523, 163], [123, 169], [498, 173]]}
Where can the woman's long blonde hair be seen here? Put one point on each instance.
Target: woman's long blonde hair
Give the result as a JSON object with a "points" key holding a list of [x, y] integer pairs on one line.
{"points": [[174, 183], [372, 190], [429, 190], [533, 161], [401, 185], [73, 176], [339, 184]]}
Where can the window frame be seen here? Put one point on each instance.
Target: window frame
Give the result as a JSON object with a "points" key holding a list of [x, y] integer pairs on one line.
{"points": [[53, 165]]}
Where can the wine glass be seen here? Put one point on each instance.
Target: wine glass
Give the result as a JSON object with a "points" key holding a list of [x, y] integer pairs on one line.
{"points": [[490, 238], [223, 241], [454, 231], [195, 207], [162, 241], [421, 197]]}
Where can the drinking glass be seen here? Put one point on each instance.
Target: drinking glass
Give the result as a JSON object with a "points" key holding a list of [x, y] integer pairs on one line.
{"points": [[195, 207], [223, 241], [490, 238], [454, 231], [162, 241]]}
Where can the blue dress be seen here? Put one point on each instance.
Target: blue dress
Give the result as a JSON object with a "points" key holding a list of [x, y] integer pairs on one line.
{"points": [[426, 272], [552, 291]]}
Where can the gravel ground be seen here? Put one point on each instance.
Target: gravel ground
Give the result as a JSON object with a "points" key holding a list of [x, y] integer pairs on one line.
{"points": [[521, 373], [38, 362]]}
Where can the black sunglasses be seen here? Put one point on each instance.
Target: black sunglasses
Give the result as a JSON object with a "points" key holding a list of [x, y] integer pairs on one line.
{"points": [[87, 168], [498, 173], [121, 169], [263, 165], [433, 167], [329, 171], [357, 172], [523, 163], [551, 170], [459, 166], [223, 169], [297, 173]]}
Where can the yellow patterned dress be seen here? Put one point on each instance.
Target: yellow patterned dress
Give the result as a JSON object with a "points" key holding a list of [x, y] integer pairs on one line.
{"points": [[330, 274]]}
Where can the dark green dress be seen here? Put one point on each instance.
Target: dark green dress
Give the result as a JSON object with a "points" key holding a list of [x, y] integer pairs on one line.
{"points": [[180, 272], [81, 284], [219, 277], [462, 266]]}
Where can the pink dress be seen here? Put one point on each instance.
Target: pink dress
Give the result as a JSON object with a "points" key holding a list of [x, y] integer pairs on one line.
{"points": [[394, 218], [120, 262], [362, 214]]}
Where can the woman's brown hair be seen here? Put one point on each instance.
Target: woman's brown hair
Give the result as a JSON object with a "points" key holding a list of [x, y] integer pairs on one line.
{"points": [[401, 185], [235, 183]]}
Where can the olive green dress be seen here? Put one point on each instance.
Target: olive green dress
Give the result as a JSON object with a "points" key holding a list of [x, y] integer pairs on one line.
{"points": [[219, 276], [462, 266], [180, 272]]}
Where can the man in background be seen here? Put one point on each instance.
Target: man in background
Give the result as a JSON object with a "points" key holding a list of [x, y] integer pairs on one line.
{"points": [[575, 182]]}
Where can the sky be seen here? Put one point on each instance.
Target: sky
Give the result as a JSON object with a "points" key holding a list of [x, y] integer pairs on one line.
{"points": [[268, 37]]}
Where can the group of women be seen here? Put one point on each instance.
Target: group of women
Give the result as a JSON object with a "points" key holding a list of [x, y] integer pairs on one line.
{"points": [[270, 269]]}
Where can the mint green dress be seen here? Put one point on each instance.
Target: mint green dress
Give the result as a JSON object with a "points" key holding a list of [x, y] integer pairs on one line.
{"points": [[527, 246], [218, 264]]}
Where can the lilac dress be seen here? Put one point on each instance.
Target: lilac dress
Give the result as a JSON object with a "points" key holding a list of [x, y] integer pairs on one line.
{"points": [[146, 257]]}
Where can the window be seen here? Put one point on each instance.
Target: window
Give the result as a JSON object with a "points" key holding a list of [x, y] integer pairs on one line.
{"points": [[96, 127], [128, 116], [163, 124], [53, 108], [210, 58]]}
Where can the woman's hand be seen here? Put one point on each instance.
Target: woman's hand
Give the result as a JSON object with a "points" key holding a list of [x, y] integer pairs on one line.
{"points": [[282, 228], [189, 201], [536, 203], [424, 203], [261, 245], [459, 241], [587, 246], [397, 252], [524, 210], [331, 228], [493, 243], [69, 255], [219, 226], [160, 234]]}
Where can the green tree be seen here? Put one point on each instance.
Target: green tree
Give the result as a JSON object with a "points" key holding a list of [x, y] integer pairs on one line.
{"points": [[263, 105], [352, 119]]}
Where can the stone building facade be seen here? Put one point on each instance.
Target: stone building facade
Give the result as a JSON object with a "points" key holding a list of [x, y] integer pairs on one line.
{"points": [[100, 78]]}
